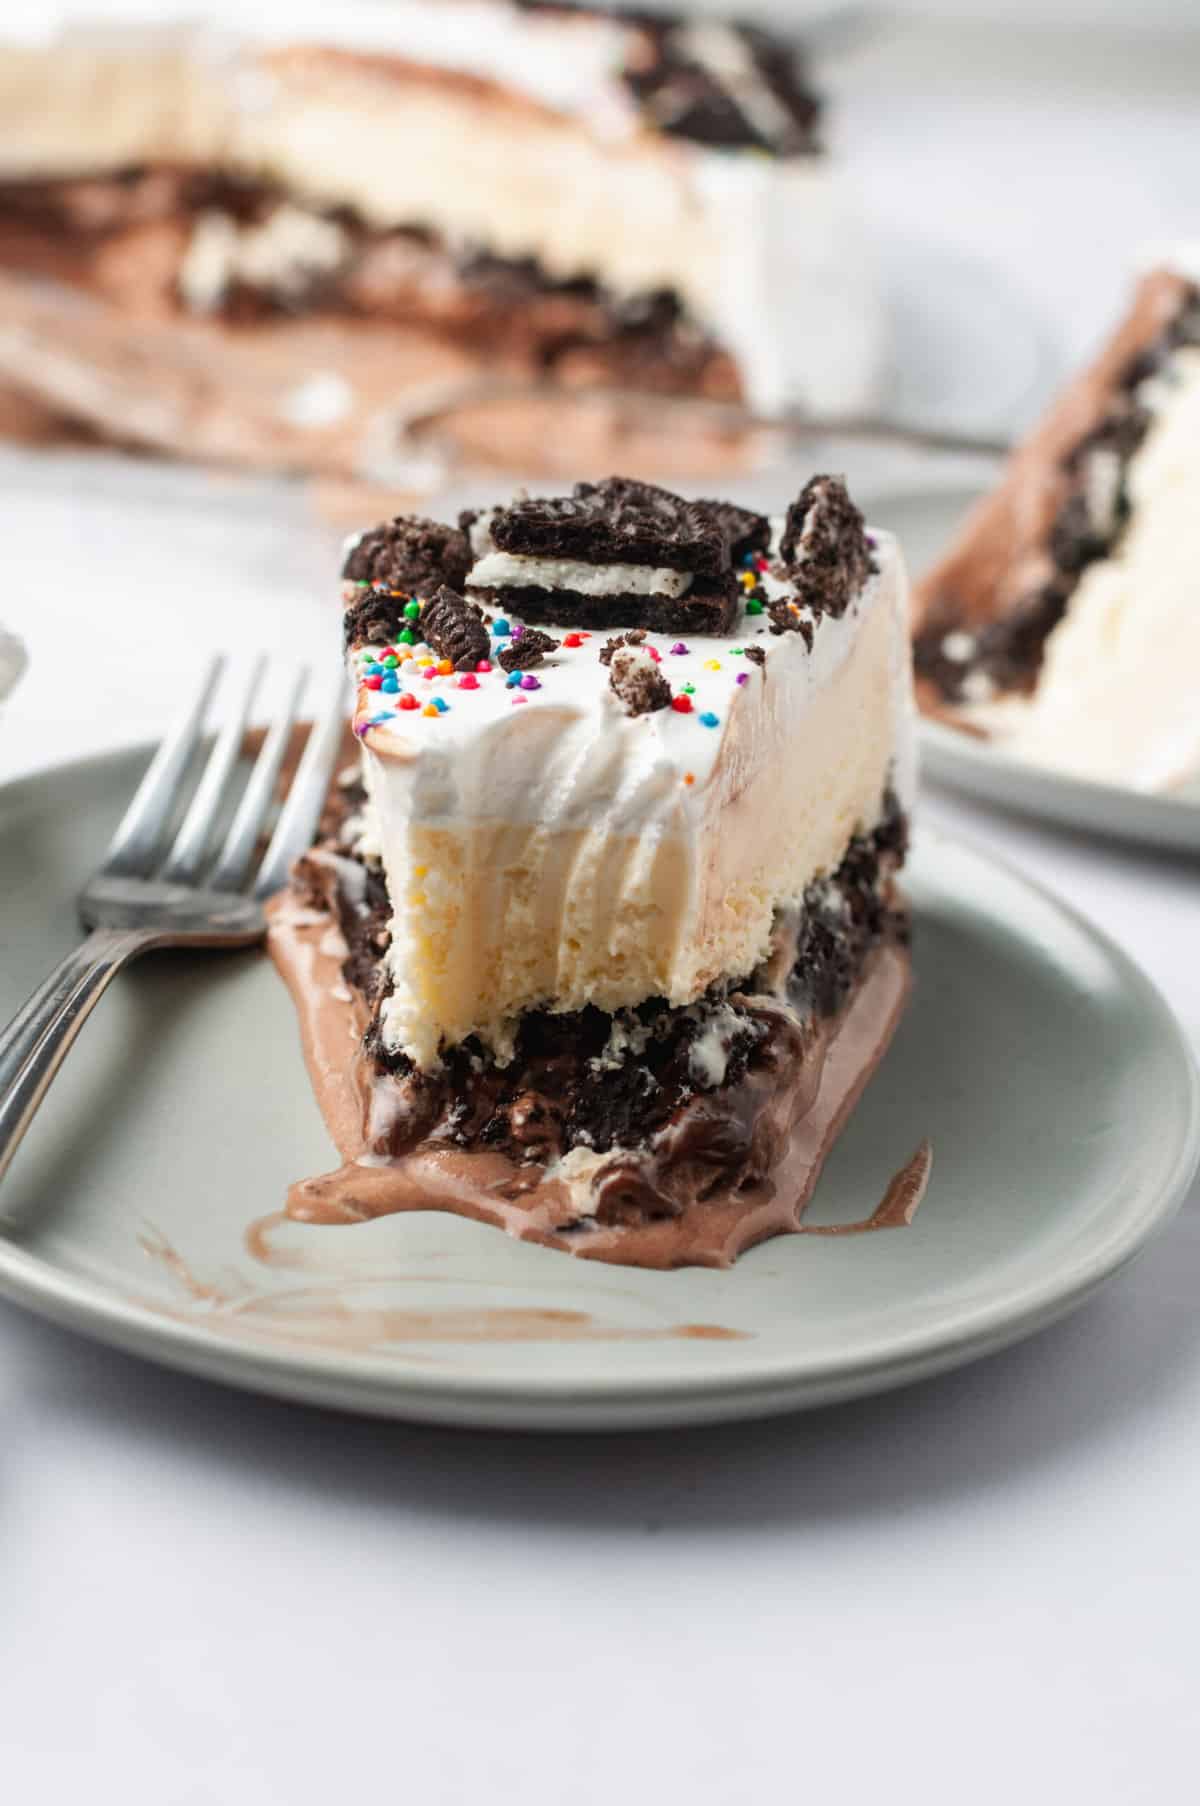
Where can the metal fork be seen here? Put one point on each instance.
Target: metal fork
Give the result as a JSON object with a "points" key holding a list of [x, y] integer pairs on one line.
{"points": [[196, 896]]}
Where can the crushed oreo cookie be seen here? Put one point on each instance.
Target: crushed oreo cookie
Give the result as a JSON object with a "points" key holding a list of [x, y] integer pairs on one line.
{"points": [[732, 86], [623, 521], [527, 650], [409, 554], [633, 638], [824, 549], [637, 681], [757, 655], [454, 628]]}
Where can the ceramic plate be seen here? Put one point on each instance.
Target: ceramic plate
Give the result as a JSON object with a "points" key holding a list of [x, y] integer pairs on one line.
{"points": [[1057, 1091], [925, 521]]}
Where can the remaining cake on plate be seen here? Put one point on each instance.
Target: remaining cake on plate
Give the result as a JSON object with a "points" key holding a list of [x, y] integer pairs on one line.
{"points": [[1065, 621], [588, 196], [608, 942]]}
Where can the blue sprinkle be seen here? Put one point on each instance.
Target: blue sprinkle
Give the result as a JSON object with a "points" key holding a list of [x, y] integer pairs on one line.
{"points": [[378, 720], [513, 679], [502, 628], [391, 683], [375, 670], [441, 705], [708, 719]]}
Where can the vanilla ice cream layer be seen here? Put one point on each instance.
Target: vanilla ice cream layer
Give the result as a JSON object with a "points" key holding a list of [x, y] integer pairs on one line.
{"points": [[540, 153], [1118, 695], [556, 851]]}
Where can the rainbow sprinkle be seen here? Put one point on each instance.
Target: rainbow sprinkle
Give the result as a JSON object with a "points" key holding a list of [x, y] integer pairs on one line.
{"points": [[708, 719]]}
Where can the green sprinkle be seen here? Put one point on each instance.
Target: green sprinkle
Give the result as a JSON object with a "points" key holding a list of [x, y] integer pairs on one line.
{"points": [[736, 651], [689, 689], [408, 637], [413, 610], [390, 661], [754, 606], [361, 583]]}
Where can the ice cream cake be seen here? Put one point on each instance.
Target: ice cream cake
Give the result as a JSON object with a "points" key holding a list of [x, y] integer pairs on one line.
{"points": [[606, 941], [582, 195], [1063, 623]]}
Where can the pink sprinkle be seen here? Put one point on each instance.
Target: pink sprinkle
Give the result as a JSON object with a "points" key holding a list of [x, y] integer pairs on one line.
{"points": [[679, 649], [485, 664], [519, 698], [530, 682], [517, 631], [429, 671], [373, 683], [654, 654], [760, 563], [468, 682]]}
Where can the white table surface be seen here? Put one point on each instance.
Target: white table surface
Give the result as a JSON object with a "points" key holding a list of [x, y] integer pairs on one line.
{"points": [[982, 1589]]}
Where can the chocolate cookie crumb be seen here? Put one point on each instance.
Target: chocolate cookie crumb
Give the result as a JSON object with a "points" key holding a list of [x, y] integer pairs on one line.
{"points": [[374, 620], [637, 680], [785, 618], [824, 548], [410, 554], [454, 628], [756, 654], [633, 638], [524, 653]]}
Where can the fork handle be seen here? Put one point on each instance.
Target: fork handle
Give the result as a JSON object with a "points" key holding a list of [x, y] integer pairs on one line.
{"points": [[40, 1035]]}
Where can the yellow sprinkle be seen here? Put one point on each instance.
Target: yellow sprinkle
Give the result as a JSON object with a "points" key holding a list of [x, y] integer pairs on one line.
{"points": [[418, 899], [749, 578], [445, 667], [712, 664], [424, 661], [430, 710], [419, 871]]}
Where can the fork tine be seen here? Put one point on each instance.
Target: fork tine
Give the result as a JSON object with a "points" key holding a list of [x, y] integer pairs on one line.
{"points": [[300, 813], [131, 850], [187, 855], [259, 794]]}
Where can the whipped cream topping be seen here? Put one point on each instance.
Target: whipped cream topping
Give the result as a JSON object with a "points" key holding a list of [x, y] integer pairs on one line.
{"points": [[545, 847]]}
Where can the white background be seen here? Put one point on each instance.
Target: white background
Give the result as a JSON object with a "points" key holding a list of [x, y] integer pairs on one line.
{"points": [[980, 1590]]}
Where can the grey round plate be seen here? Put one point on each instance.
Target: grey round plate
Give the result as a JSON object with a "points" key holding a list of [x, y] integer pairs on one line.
{"points": [[1057, 1090], [925, 520]]}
